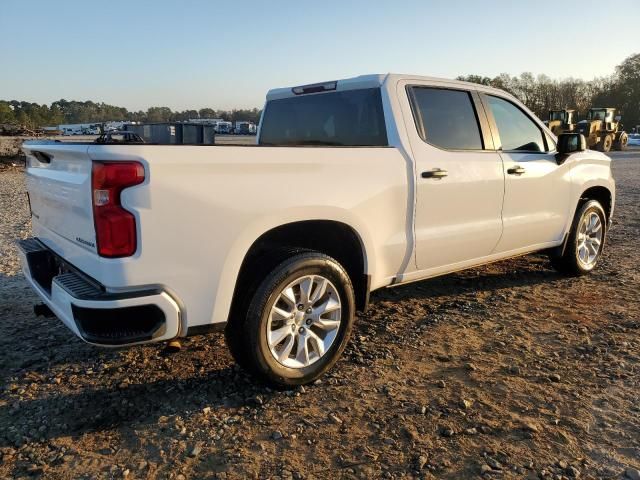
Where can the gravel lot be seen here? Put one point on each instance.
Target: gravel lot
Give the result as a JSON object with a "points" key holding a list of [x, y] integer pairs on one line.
{"points": [[505, 371]]}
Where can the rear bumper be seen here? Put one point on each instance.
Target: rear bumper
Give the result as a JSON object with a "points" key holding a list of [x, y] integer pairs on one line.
{"points": [[87, 309]]}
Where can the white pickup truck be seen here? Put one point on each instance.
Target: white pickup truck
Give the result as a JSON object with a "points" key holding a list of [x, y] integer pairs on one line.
{"points": [[354, 185]]}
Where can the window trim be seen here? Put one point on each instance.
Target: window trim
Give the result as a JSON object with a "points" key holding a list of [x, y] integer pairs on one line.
{"points": [[484, 128], [494, 126]]}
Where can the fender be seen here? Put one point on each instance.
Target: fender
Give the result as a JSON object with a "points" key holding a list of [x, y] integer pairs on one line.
{"points": [[588, 169], [235, 257]]}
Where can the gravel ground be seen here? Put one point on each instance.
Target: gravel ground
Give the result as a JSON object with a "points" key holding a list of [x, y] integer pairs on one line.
{"points": [[505, 371]]}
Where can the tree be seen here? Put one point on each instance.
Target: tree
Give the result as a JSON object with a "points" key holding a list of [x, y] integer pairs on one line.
{"points": [[475, 79], [159, 114], [627, 89], [207, 113], [6, 113]]}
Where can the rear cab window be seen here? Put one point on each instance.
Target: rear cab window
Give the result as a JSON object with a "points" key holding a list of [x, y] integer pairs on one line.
{"points": [[446, 118], [349, 118]]}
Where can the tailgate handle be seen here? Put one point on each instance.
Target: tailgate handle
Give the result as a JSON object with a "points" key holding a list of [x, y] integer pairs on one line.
{"points": [[42, 157]]}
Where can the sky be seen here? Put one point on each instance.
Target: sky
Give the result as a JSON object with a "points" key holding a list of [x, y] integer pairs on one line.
{"points": [[190, 54]]}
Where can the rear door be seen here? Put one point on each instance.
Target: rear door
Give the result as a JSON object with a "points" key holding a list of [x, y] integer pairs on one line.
{"points": [[459, 176], [537, 189]]}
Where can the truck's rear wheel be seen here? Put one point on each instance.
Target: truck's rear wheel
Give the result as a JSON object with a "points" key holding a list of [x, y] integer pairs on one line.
{"points": [[297, 322], [585, 242]]}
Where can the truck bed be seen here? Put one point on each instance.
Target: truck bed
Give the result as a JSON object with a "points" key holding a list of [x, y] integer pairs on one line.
{"points": [[200, 208]]}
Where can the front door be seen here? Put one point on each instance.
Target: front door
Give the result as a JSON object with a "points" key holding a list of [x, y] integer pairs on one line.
{"points": [[537, 189], [459, 177]]}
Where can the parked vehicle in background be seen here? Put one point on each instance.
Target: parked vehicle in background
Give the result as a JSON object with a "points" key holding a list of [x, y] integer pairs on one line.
{"points": [[355, 185], [224, 128], [634, 139], [562, 121], [603, 130], [116, 136], [93, 130], [67, 131], [245, 128], [80, 129]]}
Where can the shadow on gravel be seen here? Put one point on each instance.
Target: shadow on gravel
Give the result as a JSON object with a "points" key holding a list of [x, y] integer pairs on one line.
{"points": [[519, 272], [103, 409]]}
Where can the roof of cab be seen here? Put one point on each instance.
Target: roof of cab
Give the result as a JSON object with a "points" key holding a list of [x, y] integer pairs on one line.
{"points": [[377, 80], [354, 83]]}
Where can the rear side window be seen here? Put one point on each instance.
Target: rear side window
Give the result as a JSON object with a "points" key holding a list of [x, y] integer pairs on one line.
{"points": [[517, 131], [348, 118], [446, 118]]}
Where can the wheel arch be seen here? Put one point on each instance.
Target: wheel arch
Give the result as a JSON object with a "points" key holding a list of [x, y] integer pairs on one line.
{"points": [[600, 193], [335, 238], [595, 191]]}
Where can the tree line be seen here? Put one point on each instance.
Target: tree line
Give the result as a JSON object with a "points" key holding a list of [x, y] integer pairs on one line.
{"points": [[541, 93], [34, 115]]}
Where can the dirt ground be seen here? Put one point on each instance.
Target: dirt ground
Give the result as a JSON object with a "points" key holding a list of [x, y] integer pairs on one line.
{"points": [[505, 371]]}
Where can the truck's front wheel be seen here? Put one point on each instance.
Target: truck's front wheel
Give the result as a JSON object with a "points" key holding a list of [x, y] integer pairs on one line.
{"points": [[297, 322], [586, 240]]}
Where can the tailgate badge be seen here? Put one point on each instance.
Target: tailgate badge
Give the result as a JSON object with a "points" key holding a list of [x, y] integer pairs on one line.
{"points": [[85, 242]]}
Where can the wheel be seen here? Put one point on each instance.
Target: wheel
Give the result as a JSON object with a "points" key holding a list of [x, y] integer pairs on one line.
{"points": [[297, 322], [585, 242], [622, 142], [605, 145]]}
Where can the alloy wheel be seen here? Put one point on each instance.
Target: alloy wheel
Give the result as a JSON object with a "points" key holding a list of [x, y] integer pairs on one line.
{"points": [[589, 239], [304, 321]]}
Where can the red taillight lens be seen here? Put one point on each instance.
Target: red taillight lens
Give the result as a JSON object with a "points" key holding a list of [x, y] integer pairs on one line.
{"points": [[115, 226]]}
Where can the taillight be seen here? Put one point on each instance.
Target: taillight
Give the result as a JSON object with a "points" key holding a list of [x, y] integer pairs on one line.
{"points": [[115, 226]]}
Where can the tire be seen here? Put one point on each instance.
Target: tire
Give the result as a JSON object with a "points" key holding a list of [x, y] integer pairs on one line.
{"points": [[307, 341], [606, 143], [622, 142], [573, 260]]}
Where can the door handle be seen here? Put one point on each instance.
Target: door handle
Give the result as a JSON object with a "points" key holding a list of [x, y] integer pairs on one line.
{"points": [[517, 170], [435, 173]]}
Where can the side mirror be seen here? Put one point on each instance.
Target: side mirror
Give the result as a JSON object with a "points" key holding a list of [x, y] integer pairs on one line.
{"points": [[569, 143]]}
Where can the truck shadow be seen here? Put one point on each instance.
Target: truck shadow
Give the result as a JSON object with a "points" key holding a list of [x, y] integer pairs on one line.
{"points": [[505, 275], [100, 409]]}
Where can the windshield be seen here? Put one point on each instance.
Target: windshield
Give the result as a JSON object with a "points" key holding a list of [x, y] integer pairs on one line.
{"points": [[597, 114], [556, 116], [343, 118]]}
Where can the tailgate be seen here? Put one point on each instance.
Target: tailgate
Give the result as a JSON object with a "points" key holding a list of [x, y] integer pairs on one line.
{"points": [[59, 186]]}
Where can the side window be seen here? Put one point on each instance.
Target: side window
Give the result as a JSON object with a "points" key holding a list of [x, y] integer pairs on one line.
{"points": [[446, 118], [517, 131]]}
